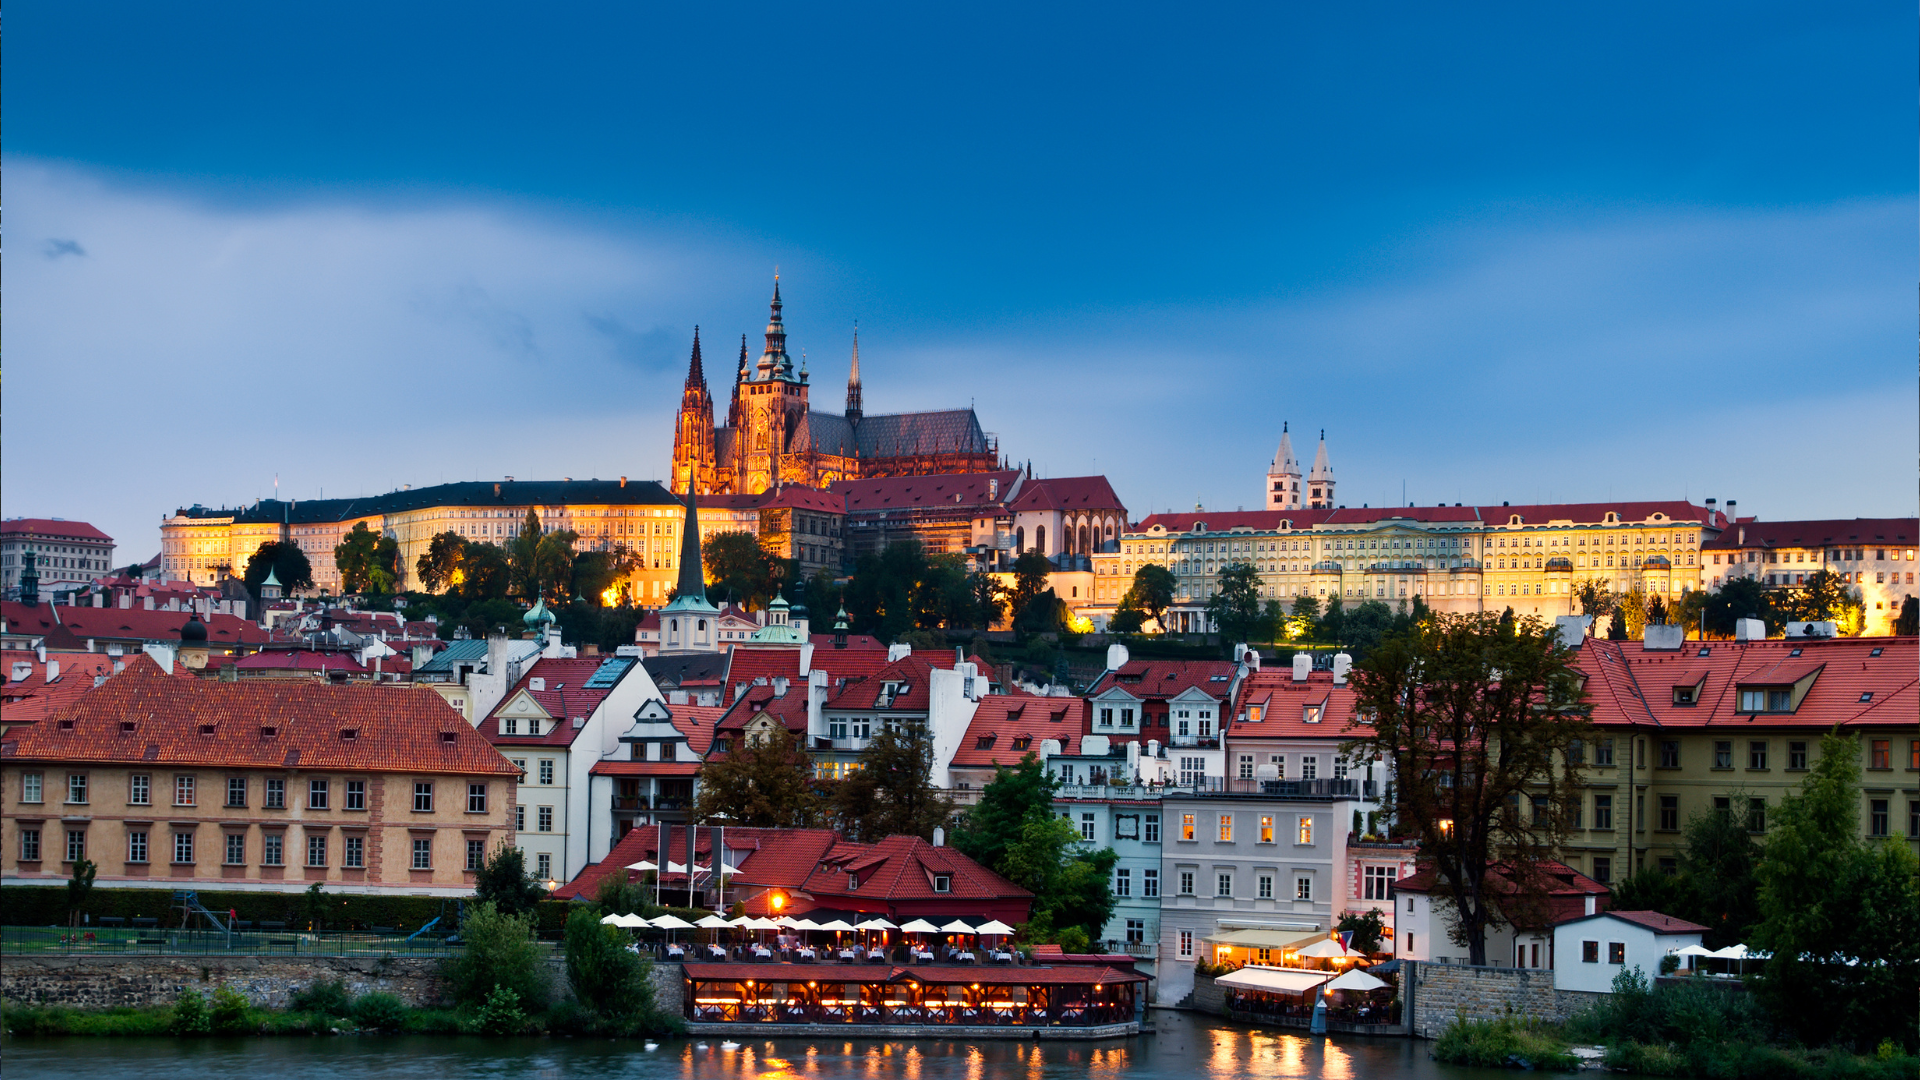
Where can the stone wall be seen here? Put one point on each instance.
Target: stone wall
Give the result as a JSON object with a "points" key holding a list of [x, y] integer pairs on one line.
{"points": [[669, 988], [1440, 992], [136, 981], [1207, 995]]}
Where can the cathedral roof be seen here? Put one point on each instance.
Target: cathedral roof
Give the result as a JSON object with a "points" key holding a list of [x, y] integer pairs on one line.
{"points": [[946, 431], [1068, 493], [1284, 463]]}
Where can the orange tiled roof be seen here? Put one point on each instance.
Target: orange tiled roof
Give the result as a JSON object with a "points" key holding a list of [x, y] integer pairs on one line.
{"points": [[1002, 720], [143, 714], [1852, 687]]}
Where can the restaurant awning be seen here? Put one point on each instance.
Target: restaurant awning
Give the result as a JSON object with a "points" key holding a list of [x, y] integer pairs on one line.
{"points": [[1274, 980], [1263, 939]]}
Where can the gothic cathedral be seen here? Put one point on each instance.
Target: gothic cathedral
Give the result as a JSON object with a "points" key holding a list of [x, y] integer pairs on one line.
{"points": [[773, 436]]}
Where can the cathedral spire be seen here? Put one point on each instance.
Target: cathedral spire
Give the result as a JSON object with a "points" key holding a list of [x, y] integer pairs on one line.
{"points": [[693, 577], [774, 362], [854, 410], [696, 375], [1320, 481]]}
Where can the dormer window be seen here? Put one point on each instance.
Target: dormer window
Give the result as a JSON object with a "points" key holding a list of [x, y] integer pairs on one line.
{"points": [[509, 726], [984, 742], [1022, 742], [943, 883], [1759, 699], [853, 882], [1310, 714], [1686, 695]]}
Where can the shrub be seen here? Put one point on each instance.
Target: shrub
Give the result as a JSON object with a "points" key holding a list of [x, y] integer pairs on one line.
{"points": [[328, 998], [230, 1012], [1504, 1043], [605, 977], [380, 1011], [500, 1014], [500, 953], [190, 1014]]}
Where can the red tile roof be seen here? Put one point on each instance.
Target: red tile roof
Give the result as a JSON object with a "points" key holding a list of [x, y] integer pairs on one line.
{"points": [[789, 708], [1282, 705], [142, 714], [1157, 680], [30, 699], [914, 669], [49, 527], [855, 642], [900, 868], [301, 660], [1829, 532], [1658, 923], [72, 626], [806, 498], [1221, 521], [1566, 889], [1628, 685], [1067, 493], [562, 697], [1002, 720], [965, 490]]}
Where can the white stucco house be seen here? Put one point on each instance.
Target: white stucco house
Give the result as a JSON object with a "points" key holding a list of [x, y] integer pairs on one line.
{"points": [[1589, 952]]}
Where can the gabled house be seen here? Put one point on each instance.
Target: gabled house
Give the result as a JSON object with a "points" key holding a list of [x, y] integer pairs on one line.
{"points": [[560, 720], [652, 777], [1530, 905], [934, 690], [1180, 707]]}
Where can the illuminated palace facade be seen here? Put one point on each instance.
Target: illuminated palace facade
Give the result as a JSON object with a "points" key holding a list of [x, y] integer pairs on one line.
{"points": [[773, 436], [1454, 558], [203, 545]]}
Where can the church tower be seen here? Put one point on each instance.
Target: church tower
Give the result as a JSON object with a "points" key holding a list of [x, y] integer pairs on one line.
{"points": [[693, 458], [1320, 481], [854, 410], [1283, 476], [774, 411]]}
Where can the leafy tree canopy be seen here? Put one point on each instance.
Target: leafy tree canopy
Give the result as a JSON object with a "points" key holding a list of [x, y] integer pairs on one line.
{"points": [[438, 567], [1474, 715], [892, 792], [766, 784], [1011, 800], [1234, 607], [369, 562], [1151, 593], [504, 882], [285, 561]]}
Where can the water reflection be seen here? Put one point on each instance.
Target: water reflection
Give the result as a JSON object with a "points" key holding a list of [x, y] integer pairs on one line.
{"points": [[1183, 1047]]}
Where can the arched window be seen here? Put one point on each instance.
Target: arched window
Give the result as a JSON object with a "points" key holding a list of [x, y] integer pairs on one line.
{"points": [[702, 627], [673, 626], [1083, 541], [1040, 539], [1020, 539]]}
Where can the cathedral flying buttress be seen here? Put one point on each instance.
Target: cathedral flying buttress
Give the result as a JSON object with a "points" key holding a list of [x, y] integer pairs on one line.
{"points": [[774, 437]]}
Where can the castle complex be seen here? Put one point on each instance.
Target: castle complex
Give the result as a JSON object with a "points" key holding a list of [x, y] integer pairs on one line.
{"points": [[773, 436]]}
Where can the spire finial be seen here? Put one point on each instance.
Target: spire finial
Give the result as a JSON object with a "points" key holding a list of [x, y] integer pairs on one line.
{"points": [[696, 374]]}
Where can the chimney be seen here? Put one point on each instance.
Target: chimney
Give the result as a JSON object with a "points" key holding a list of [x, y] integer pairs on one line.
{"points": [[780, 686], [623, 481], [939, 836], [1302, 666], [1342, 663]]}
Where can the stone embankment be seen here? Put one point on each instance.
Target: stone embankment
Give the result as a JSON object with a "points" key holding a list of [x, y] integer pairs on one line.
{"points": [[102, 982]]}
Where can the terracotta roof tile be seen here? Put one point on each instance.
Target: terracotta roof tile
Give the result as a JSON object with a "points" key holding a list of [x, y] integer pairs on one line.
{"points": [[144, 714], [1627, 685]]}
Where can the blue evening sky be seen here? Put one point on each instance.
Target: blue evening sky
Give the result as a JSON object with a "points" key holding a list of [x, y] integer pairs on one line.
{"points": [[1523, 252]]}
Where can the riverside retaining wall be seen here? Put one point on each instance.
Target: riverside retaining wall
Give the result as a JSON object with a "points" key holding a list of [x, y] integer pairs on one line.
{"points": [[100, 982], [1440, 992]]}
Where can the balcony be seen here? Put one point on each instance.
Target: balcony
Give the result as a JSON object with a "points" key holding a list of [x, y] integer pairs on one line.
{"points": [[1107, 791], [1145, 950], [1194, 742], [1318, 790]]}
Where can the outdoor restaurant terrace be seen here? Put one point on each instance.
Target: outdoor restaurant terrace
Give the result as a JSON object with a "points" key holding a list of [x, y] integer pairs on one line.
{"points": [[1092, 1000]]}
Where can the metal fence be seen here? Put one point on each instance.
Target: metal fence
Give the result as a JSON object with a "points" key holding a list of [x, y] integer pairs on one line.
{"points": [[166, 940]]}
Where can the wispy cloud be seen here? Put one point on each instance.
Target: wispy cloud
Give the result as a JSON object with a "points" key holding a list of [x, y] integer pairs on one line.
{"points": [[190, 351]]}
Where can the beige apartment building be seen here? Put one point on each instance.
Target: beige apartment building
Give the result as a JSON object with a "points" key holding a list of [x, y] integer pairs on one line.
{"points": [[175, 781]]}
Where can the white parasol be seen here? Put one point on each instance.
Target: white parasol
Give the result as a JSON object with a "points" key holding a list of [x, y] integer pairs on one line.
{"points": [[1356, 980], [875, 923], [670, 922], [920, 926], [713, 922], [1327, 949], [994, 927], [837, 924], [957, 927]]}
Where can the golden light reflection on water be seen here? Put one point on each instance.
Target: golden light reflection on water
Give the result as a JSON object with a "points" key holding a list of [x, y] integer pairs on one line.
{"points": [[1335, 1062]]}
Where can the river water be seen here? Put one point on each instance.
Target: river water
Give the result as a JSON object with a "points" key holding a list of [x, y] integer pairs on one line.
{"points": [[1182, 1047]]}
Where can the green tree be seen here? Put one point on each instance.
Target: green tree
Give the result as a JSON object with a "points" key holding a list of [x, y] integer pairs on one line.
{"points": [[740, 570], [503, 881], [439, 566], [1045, 613], [1305, 612], [1617, 626], [1367, 929], [765, 784], [595, 573], [1332, 627], [1152, 593], [1030, 573], [1826, 596], [1741, 598], [1840, 915], [1011, 800], [605, 977], [1475, 716], [1365, 626], [485, 572], [880, 595], [1908, 624], [78, 886], [1234, 607], [285, 561], [366, 561], [1717, 869], [552, 570], [989, 600], [523, 550], [1071, 884], [823, 601], [892, 792], [1596, 598], [1126, 618], [1656, 611], [500, 953]]}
